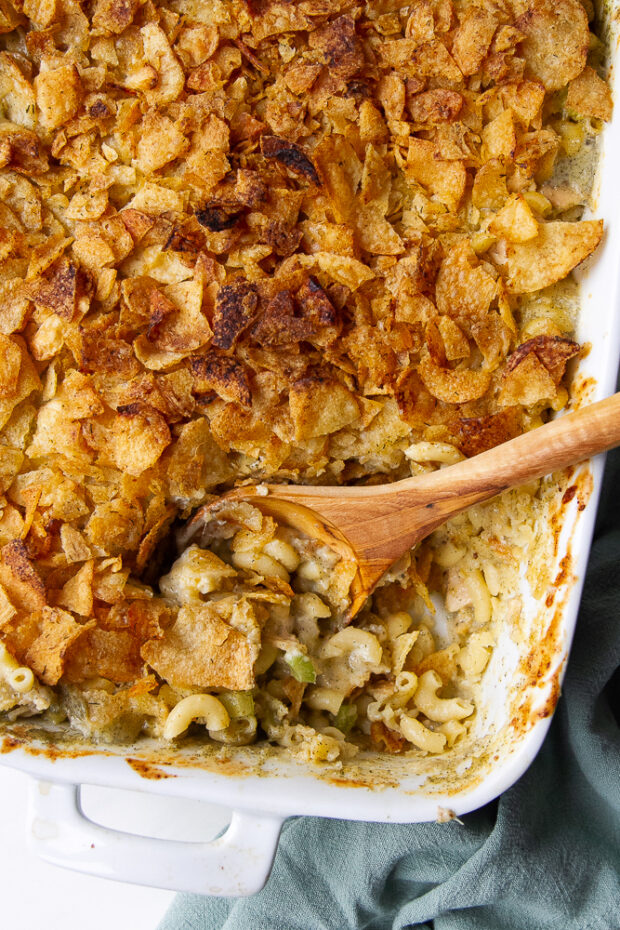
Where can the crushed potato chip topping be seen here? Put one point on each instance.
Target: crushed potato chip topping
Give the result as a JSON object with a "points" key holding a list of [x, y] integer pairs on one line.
{"points": [[264, 239]]}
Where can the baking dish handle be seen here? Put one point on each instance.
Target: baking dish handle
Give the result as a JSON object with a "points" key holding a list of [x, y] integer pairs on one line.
{"points": [[236, 863]]}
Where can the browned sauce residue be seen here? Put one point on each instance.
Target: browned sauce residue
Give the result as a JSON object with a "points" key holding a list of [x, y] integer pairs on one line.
{"points": [[9, 744], [147, 770], [569, 493]]}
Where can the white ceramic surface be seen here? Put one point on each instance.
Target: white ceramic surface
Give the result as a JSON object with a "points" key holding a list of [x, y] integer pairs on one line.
{"points": [[239, 862], [37, 894]]}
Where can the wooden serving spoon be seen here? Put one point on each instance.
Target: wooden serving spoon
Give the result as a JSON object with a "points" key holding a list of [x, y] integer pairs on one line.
{"points": [[375, 525]]}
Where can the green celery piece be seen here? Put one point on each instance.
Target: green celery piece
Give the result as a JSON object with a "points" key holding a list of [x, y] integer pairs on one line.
{"points": [[346, 717], [238, 703], [301, 668]]}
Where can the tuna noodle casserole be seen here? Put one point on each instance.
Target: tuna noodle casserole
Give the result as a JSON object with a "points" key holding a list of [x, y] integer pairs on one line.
{"points": [[320, 241]]}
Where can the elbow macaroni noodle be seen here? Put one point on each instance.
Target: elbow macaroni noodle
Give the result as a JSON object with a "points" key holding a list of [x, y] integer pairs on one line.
{"points": [[441, 452], [18, 677], [196, 707], [435, 708]]}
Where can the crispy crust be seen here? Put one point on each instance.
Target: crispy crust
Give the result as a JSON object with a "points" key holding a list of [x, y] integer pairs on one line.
{"points": [[290, 155]]}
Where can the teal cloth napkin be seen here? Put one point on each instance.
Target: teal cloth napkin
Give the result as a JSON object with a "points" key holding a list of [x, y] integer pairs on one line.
{"points": [[545, 855]]}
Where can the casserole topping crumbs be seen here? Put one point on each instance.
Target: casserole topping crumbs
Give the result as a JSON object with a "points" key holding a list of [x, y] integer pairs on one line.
{"points": [[323, 241]]}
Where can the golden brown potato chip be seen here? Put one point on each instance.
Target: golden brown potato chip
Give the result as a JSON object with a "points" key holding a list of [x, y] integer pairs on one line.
{"points": [[489, 189], [453, 386], [376, 181], [112, 16], [339, 46], [45, 254], [114, 526], [319, 407], [155, 199], [556, 40], [493, 338], [160, 142], [138, 309], [235, 310], [170, 78], [455, 342], [7, 610], [226, 376], [590, 95], [331, 237], [109, 584], [391, 94], [194, 464], [73, 544], [177, 325], [279, 17], [524, 99], [301, 75], [445, 179], [111, 654], [527, 383], [287, 319], [58, 93], [515, 221], [57, 426], [435, 106], [200, 650], [87, 204], [137, 223], [79, 397], [155, 535], [59, 290], [344, 270], [10, 18], [10, 463], [10, 364], [477, 434], [464, 288], [340, 172], [17, 93], [552, 351], [15, 307], [133, 440], [535, 155], [27, 381], [499, 137], [289, 154], [374, 233], [473, 38], [57, 631], [535, 369], [21, 150], [412, 307], [371, 124], [558, 248], [48, 339], [77, 593], [431, 59]]}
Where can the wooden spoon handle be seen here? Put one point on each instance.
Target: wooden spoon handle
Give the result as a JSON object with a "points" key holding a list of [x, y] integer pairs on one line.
{"points": [[565, 441]]}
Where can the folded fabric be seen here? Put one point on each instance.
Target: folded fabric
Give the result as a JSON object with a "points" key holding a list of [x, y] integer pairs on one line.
{"points": [[545, 855]]}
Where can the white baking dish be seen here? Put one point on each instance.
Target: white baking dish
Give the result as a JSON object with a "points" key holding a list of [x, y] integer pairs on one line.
{"points": [[263, 792]]}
